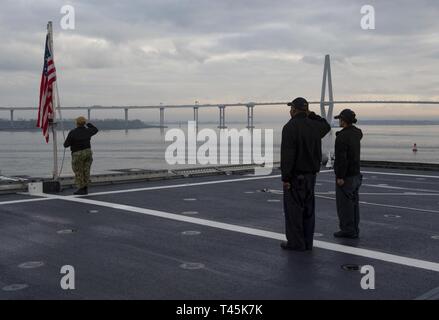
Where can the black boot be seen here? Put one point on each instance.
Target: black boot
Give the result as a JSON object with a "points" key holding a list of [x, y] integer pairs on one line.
{"points": [[287, 246], [343, 234], [80, 192]]}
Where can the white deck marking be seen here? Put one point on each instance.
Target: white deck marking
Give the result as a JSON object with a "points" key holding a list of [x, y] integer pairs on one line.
{"points": [[24, 201], [184, 185], [149, 188], [400, 174], [398, 188], [386, 205], [430, 295], [332, 193], [385, 186], [206, 183], [410, 262], [156, 188]]}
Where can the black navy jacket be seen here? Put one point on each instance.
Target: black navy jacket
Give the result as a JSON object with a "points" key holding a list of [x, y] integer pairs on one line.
{"points": [[301, 148], [79, 138], [347, 152]]}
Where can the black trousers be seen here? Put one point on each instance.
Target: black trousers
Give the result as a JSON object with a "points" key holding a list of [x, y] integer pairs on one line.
{"points": [[299, 208], [348, 207]]}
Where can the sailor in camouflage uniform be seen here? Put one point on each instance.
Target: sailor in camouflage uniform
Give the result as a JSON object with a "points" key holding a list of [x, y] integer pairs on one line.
{"points": [[82, 157]]}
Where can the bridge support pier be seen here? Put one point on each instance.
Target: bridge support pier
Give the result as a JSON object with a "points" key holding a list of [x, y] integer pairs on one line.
{"points": [[222, 117], [12, 118], [250, 117], [162, 117], [126, 118], [196, 117]]}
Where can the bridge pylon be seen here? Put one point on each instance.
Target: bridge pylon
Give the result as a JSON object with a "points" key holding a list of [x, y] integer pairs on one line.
{"points": [[327, 83], [329, 112]]}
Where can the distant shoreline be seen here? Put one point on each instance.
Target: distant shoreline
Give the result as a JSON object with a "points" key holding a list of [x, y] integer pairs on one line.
{"points": [[68, 124], [399, 122], [118, 124], [59, 129]]}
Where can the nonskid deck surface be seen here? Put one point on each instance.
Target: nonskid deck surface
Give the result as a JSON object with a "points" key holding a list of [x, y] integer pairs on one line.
{"points": [[218, 238]]}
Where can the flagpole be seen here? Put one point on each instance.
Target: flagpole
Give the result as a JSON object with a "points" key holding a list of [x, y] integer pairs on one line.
{"points": [[55, 106]]}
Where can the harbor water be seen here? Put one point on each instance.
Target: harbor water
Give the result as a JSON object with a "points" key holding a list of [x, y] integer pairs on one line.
{"points": [[26, 153]]}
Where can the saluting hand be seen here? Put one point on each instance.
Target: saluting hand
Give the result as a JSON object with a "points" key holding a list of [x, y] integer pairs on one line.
{"points": [[340, 182]]}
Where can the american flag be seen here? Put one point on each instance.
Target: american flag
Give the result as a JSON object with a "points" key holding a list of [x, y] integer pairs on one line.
{"points": [[48, 78]]}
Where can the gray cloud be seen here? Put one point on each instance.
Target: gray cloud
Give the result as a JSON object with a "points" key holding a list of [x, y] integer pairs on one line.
{"points": [[178, 51]]}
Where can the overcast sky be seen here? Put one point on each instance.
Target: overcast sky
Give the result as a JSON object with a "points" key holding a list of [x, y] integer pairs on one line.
{"points": [[138, 52]]}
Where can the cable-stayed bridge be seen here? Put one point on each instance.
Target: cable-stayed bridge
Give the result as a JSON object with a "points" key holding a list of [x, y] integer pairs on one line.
{"points": [[326, 105]]}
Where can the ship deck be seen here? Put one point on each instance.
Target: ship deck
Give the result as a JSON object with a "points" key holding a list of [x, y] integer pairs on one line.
{"points": [[218, 237]]}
